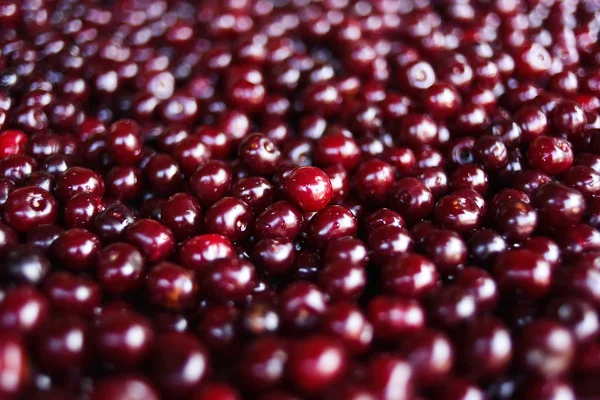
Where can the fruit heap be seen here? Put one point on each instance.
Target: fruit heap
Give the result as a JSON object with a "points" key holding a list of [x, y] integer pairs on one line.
{"points": [[299, 199]]}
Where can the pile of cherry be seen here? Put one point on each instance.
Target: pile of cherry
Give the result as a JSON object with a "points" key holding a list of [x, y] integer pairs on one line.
{"points": [[299, 199]]}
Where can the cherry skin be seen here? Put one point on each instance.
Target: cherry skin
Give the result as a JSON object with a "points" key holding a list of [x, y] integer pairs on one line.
{"points": [[25, 264], [110, 224], [280, 219], [14, 358], [210, 182], [171, 286], [173, 355], [154, 239], [342, 281], [114, 342], [274, 256], [29, 207], [392, 317], [576, 314], [230, 217], [182, 214], [23, 310], [120, 267], [372, 180], [122, 387], [263, 362], [78, 180], [309, 188], [431, 356], [541, 354], [487, 343], [63, 344], [388, 241], [446, 249], [457, 213], [301, 305], [550, 155], [306, 366], [77, 249], [332, 222], [524, 272], [229, 279], [558, 205], [201, 251], [73, 294], [348, 323]]}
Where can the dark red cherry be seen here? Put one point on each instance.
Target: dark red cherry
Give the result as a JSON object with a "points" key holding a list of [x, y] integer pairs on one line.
{"points": [[120, 267], [263, 363], [274, 256], [111, 223], [546, 349], [201, 251], [446, 249], [62, 345], [182, 214], [309, 188], [487, 349], [576, 314], [229, 279], [124, 386], [281, 219], [332, 222], [395, 316], [171, 286], [457, 213], [23, 310], [77, 249], [386, 242], [523, 272], [307, 370], [210, 182], [154, 239], [411, 198], [550, 154], [171, 360], [16, 365], [78, 180], [230, 217], [73, 294], [430, 354], [29, 207], [558, 205], [25, 264], [301, 305], [123, 338]]}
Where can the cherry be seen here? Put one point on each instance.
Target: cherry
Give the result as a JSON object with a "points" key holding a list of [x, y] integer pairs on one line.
{"points": [[23, 310], [200, 251], [309, 188], [123, 338], [25, 264], [114, 388], [15, 361], [29, 207], [524, 272], [263, 363], [120, 267], [180, 363], [153, 239], [229, 279], [62, 345], [542, 354], [171, 286], [73, 294], [306, 367]]}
